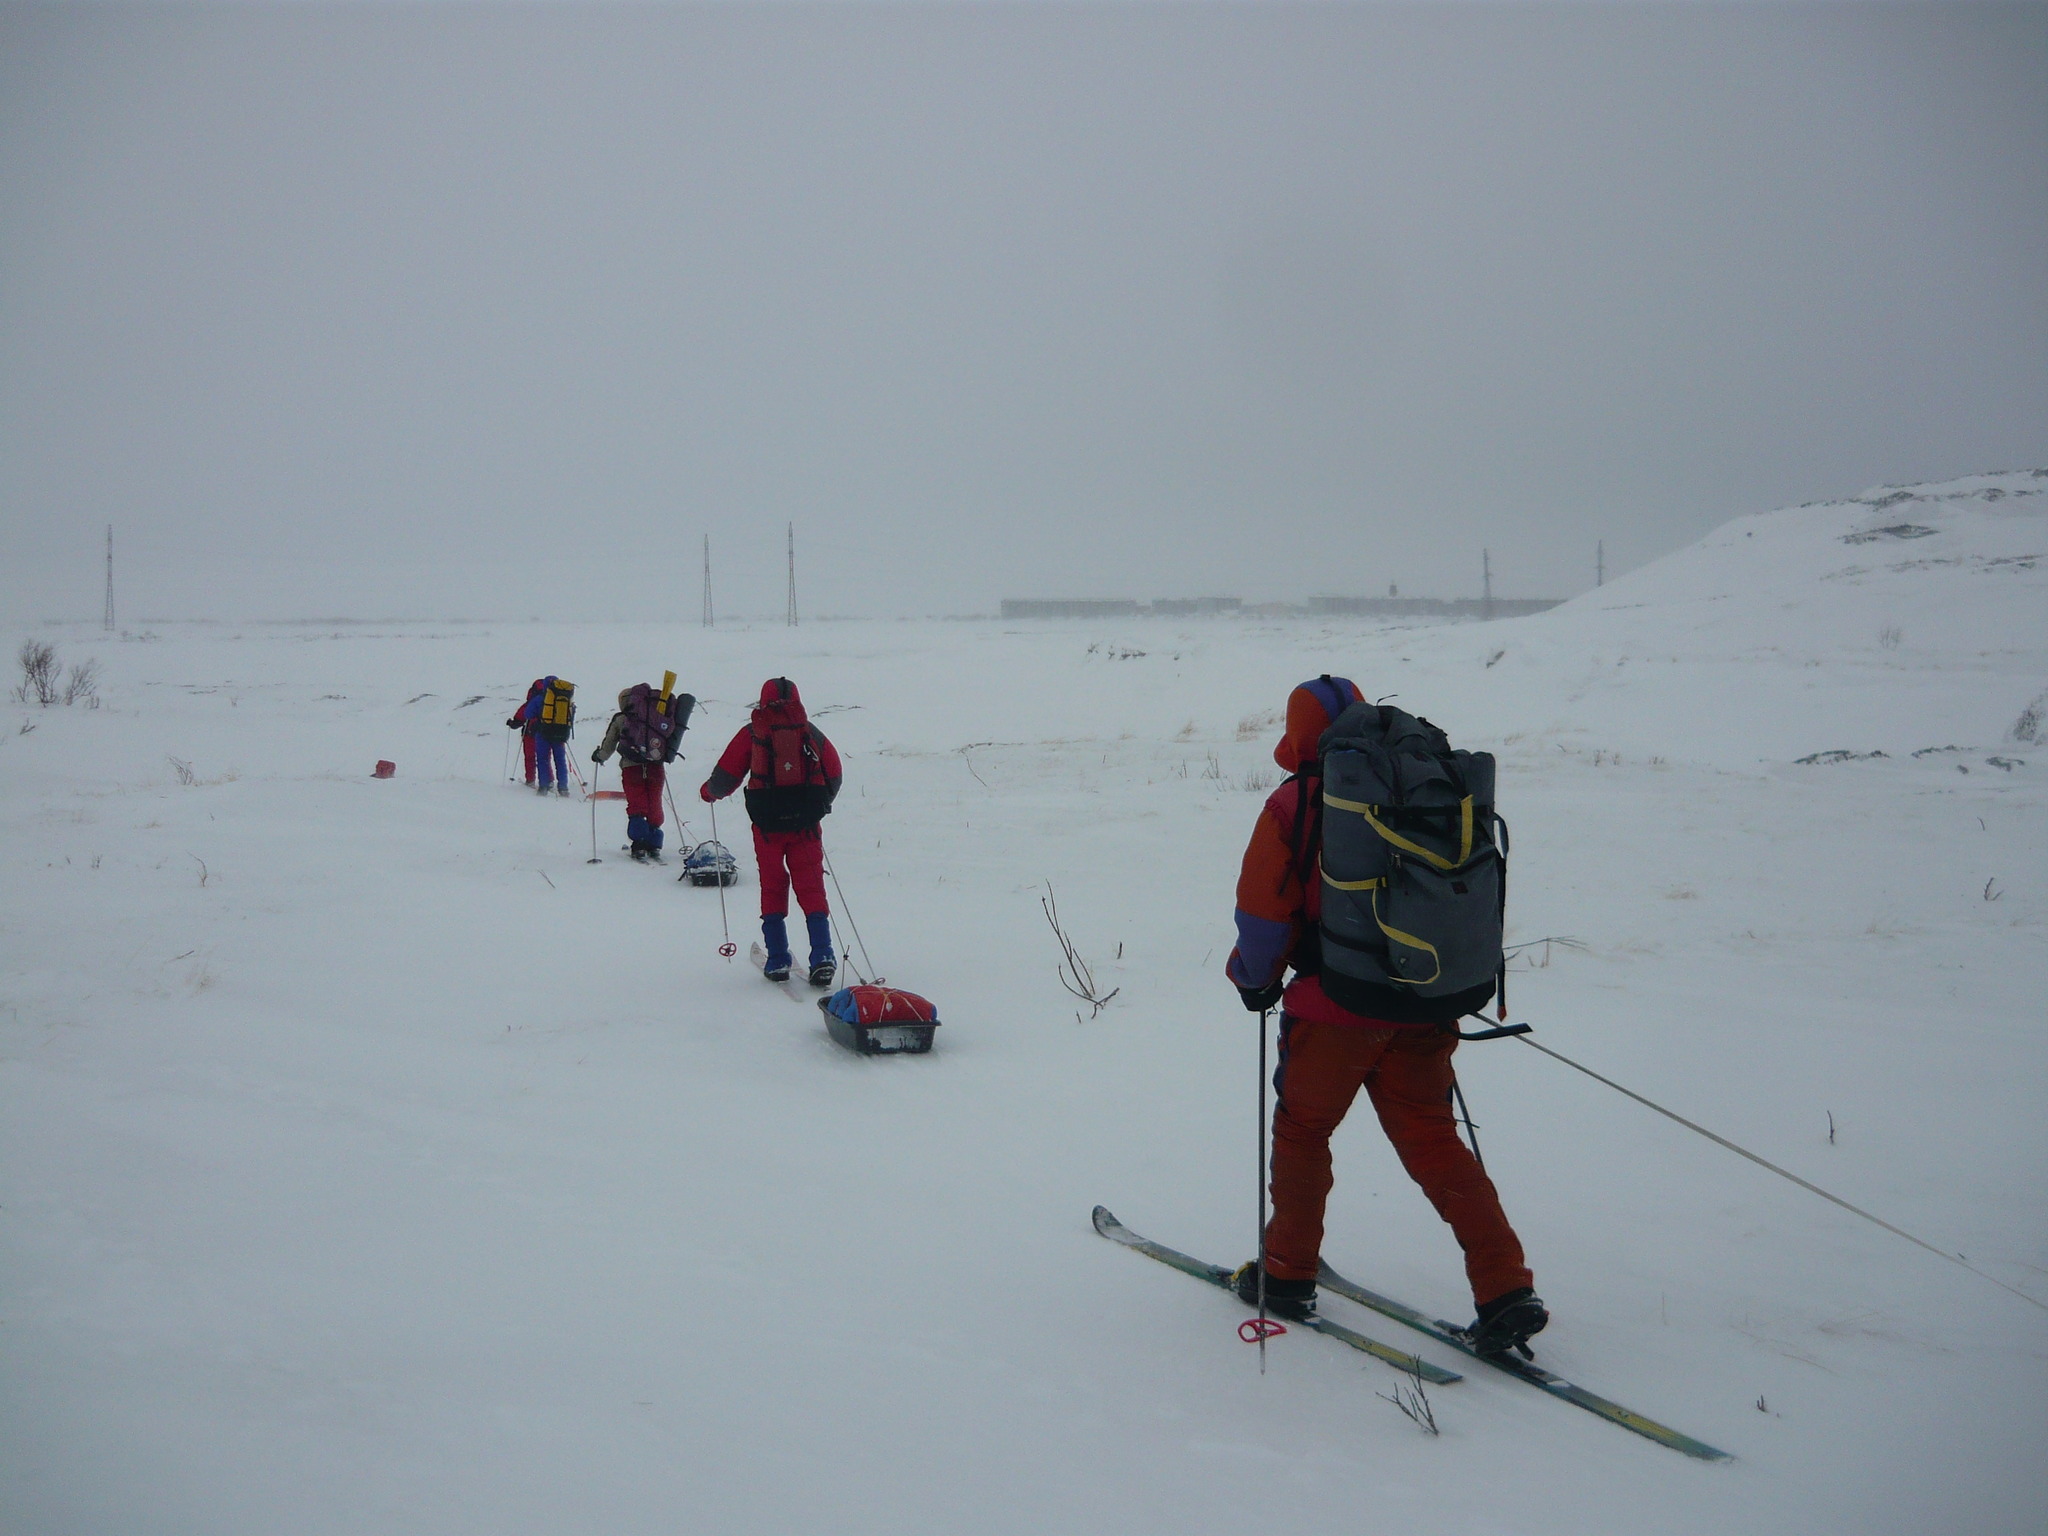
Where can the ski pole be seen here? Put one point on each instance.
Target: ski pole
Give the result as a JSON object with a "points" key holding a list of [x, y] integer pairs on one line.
{"points": [[1264, 1015], [850, 923], [508, 754], [1465, 1114], [726, 946], [674, 815], [593, 859]]}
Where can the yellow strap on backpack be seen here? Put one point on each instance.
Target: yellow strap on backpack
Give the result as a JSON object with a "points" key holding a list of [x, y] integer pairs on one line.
{"points": [[1411, 941], [1373, 821], [1352, 885]]}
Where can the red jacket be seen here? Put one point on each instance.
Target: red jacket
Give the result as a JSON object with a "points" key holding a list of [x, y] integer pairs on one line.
{"points": [[789, 806]]}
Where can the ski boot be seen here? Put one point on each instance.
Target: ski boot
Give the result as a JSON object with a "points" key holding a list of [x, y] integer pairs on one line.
{"points": [[824, 966], [1508, 1323], [775, 933], [639, 853], [1294, 1300], [561, 789]]}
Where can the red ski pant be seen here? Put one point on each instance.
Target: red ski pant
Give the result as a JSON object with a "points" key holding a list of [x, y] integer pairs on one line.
{"points": [[526, 751], [642, 783], [791, 858], [1407, 1075]]}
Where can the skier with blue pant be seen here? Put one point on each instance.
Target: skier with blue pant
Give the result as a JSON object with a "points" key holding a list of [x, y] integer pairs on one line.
{"points": [[555, 718]]}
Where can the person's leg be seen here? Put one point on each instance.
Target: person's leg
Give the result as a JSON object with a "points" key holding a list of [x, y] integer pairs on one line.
{"points": [[526, 752], [654, 775], [544, 759], [1321, 1066], [1410, 1087], [806, 853], [768, 857], [560, 750], [641, 806]]}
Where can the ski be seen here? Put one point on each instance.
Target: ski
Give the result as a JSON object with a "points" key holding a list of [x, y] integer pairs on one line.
{"points": [[1523, 1370], [1218, 1276], [759, 955]]}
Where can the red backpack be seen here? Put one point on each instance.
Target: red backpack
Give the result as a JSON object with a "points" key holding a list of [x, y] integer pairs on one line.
{"points": [[786, 757]]}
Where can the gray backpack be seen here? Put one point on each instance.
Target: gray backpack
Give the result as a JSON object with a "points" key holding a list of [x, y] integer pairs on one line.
{"points": [[1414, 869]]}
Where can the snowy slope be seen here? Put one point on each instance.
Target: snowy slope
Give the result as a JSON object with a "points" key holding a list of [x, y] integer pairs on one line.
{"points": [[371, 1161]]}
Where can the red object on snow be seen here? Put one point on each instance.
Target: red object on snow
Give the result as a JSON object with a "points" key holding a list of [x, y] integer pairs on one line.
{"points": [[878, 1020], [867, 1004], [384, 769]]}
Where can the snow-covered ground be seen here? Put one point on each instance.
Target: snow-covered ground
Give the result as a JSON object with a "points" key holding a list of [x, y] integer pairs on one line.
{"points": [[369, 1161]]}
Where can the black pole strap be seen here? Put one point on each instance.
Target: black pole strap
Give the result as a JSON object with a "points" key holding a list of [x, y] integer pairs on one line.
{"points": [[1499, 1033]]}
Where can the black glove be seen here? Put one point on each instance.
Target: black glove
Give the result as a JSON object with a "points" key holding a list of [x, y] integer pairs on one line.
{"points": [[596, 756], [1260, 999], [511, 725]]}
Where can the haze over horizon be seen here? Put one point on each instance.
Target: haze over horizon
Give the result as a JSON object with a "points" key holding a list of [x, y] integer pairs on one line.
{"points": [[471, 310]]}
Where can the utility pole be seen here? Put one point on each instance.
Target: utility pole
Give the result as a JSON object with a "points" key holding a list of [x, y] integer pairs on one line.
{"points": [[708, 619], [107, 618], [1486, 583], [1599, 562], [792, 575]]}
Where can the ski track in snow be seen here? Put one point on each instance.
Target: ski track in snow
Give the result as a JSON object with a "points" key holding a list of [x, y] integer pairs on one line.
{"points": [[370, 1161]]}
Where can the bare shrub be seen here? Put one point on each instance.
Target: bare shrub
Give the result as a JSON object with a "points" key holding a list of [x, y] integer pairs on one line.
{"points": [[1562, 941], [182, 769], [1890, 636], [82, 684], [38, 661], [1257, 780], [1409, 1397], [2028, 727], [1073, 970]]}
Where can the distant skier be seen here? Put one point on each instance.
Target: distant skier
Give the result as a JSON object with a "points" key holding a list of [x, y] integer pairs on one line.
{"points": [[554, 719], [1400, 1053], [526, 721], [646, 733], [792, 774]]}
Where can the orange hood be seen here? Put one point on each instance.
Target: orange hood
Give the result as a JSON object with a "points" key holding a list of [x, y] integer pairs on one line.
{"points": [[1310, 709]]}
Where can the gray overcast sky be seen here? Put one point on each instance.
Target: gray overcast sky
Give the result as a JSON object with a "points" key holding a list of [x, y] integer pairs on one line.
{"points": [[468, 310]]}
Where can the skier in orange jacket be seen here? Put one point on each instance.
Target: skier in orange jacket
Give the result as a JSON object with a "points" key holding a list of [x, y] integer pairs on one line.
{"points": [[1327, 1054]]}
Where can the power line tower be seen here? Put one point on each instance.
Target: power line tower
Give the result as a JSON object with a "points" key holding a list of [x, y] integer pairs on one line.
{"points": [[1599, 562], [708, 618], [107, 616], [792, 575], [1486, 583]]}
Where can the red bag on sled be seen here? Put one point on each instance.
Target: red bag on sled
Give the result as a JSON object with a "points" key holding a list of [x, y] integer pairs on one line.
{"points": [[879, 1020]]}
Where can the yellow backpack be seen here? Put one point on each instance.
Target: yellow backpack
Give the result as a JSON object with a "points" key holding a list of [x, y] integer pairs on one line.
{"points": [[558, 708]]}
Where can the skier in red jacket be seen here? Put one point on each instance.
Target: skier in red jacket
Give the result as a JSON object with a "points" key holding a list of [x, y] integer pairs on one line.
{"points": [[792, 774], [526, 720]]}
